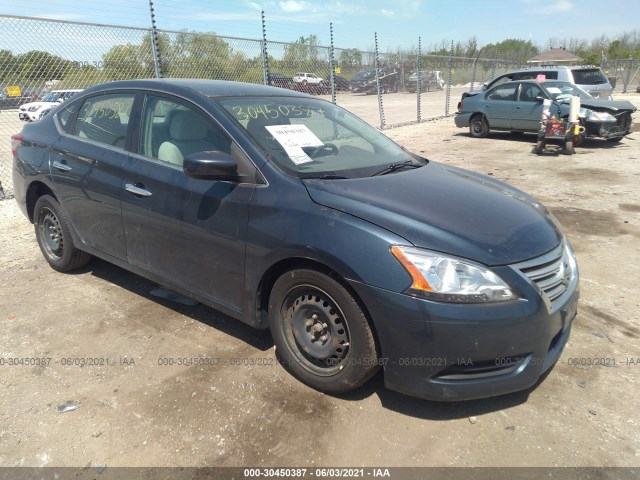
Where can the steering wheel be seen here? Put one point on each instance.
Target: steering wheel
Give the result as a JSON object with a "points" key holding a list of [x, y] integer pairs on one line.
{"points": [[330, 148]]}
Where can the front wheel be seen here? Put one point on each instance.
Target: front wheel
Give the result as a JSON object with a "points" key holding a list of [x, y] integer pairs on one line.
{"points": [[568, 147], [54, 236], [478, 127], [320, 332]]}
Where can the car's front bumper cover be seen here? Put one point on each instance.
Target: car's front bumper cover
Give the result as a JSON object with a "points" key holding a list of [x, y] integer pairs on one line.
{"points": [[452, 352]]}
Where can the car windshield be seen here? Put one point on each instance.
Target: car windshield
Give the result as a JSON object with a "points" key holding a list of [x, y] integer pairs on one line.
{"points": [[52, 97], [563, 91], [310, 138]]}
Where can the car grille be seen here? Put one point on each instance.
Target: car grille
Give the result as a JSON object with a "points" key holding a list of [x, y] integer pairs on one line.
{"points": [[552, 272]]}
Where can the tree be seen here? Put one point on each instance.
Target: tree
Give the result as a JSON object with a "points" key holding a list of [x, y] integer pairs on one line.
{"points": [[38, 65], [198, 55], [9, 68], [516, 50], [304, 51], [350, 58]]}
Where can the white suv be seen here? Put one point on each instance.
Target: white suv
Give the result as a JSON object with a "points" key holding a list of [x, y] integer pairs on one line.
{"points": [[587, 77], [303, 77], [32, 111]]}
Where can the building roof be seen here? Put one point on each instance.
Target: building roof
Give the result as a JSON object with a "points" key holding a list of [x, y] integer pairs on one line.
{"points": [[555, 56]]}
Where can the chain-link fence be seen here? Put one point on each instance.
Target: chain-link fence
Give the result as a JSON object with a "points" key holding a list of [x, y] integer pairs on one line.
{"points": [[386, 89]]}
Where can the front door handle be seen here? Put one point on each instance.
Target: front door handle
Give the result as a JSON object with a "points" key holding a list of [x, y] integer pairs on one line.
{"points": [[63, 167], [137, 189]]}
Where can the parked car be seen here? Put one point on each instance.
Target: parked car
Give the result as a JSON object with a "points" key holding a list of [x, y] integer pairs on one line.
{"points": [[366, 81], [321, 88], [279, 80], [303, 77], [428, 81], [8, 101], [32, 111], [342, 84], [266, 204], [587, 77], [517, 107]]}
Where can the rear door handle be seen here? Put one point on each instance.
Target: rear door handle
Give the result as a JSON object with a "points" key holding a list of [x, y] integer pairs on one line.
{"points": [[137, 189], [63, 167]]}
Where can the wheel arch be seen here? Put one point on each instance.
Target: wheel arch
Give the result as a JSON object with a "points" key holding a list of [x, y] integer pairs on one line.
{"points": [[34, 191], [279, 268]]}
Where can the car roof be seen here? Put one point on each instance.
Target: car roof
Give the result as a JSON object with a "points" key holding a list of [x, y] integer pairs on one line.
{"points": [[209, 88], [556, 67]]}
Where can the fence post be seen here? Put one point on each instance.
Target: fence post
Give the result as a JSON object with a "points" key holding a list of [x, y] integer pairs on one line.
{"points": [[627, 82], [448, 98], [474, 71], [265, 57], [154, 43], [418, 86], [332, 65], [377, 67]]}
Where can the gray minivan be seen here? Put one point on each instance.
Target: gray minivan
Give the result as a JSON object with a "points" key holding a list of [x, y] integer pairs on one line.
{"points": [[588, 77]]}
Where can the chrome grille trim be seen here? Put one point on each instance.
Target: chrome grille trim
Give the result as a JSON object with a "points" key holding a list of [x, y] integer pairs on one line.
{"points": [[552, 273]]}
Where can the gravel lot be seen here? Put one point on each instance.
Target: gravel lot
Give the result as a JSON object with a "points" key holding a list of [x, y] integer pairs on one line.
{"points": [[137, 412]]}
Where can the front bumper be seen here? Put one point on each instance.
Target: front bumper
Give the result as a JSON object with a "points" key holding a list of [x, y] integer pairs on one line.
{"points": [[453, 352], [28, 116]]}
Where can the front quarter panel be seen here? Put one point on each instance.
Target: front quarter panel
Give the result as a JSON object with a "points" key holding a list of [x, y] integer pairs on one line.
{"points": [[285, 223]]}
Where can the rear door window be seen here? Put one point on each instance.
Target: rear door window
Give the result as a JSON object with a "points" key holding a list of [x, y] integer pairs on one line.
{"points": [[503, 92], [104, 119]]}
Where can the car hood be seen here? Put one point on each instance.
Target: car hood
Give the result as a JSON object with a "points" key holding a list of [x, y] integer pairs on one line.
{"points": [[26, 106], [618, 105], [448, 210]]}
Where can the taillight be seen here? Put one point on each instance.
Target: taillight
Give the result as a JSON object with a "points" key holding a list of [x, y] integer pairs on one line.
{"points": [[16, 140], [460, 105]]}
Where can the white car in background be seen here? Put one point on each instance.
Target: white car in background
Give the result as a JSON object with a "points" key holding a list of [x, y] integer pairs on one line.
{"points": [[303, 77], [32, 111]]}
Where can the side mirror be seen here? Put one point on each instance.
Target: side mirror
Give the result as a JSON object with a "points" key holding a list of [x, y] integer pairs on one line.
{"points": [[212, 165], [484, 86]]}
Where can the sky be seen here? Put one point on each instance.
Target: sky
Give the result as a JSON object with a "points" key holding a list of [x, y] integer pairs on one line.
{"points": [[398, 23]]}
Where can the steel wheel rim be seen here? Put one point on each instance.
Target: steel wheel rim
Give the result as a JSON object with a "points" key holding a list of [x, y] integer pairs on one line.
{"points": [[314, 330], [477, 126], [51, 234]]}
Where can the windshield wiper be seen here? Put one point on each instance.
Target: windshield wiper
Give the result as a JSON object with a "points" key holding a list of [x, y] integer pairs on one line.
{"points": [[397, 166], [328, 177]]}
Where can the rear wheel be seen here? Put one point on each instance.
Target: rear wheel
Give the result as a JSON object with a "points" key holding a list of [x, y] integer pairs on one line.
{"points": [[321, 334], [540, 146], [54, 236], [478, 126]]}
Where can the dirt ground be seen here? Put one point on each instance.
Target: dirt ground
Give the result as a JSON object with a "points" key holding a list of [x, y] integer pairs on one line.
{"points": [[135, 411]]}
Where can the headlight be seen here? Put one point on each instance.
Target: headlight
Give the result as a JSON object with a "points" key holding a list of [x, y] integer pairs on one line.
{"points": [[444, 278], [600, 117], [34, 108]]}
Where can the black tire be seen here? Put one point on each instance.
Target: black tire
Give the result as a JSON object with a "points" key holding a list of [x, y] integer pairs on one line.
{"points": [[478, 126], [568, 147], [54, 236], [321, 334]]}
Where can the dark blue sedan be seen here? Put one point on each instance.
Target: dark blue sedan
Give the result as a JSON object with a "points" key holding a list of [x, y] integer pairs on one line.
{"points": [[289, 213]]}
